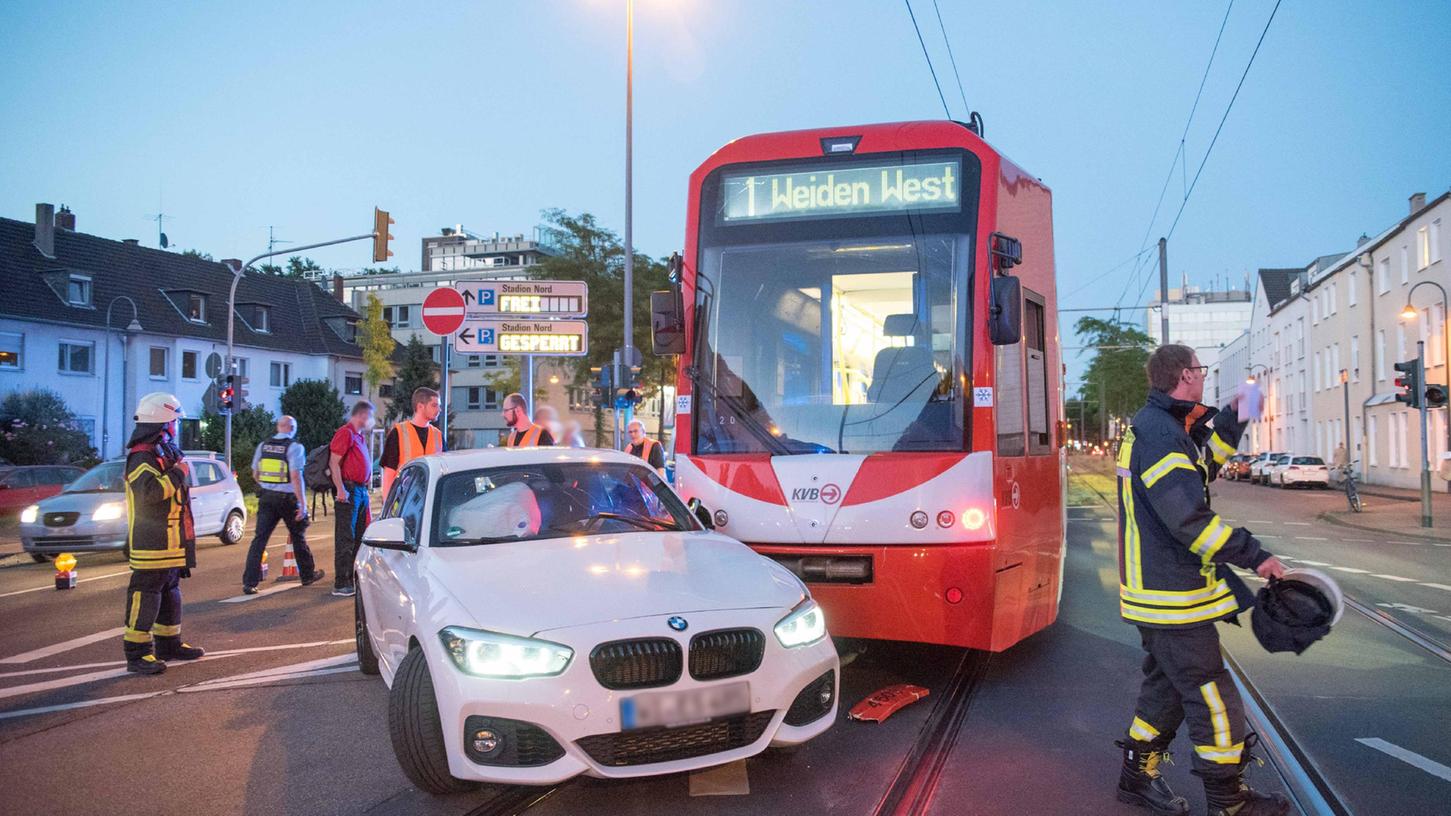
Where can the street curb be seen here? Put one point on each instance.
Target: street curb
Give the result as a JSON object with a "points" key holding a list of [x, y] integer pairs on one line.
{"points": [[1333, 518]]}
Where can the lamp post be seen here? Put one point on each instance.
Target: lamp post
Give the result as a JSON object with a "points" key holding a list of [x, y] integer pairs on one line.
{"points": [[1345, 388], [133, 326], [1409, 313], [1249, 379]]}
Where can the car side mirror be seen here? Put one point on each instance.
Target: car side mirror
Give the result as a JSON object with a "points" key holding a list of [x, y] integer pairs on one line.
{"points": [[1005, 310], [388, 534], [697, 508]]}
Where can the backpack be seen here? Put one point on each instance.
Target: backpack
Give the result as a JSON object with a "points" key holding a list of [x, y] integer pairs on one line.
{"points": [[317, 474]]}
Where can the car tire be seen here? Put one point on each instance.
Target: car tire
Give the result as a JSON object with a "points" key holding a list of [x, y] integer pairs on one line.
{"points": [[367, 658], [40, 558], [413, 726], [232, 528]]}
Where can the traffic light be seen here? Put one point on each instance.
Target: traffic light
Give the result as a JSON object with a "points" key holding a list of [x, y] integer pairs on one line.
{"points": [[627, 392], [226, 395], [601, 392], [239, 393], [381, 236], [1435, 396], [1409, 382]]}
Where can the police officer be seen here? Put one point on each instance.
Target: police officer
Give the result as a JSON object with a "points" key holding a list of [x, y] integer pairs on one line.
{"points": [[522, 432], [644, 447], [277, 466], [160, 537], [1175, 583]]}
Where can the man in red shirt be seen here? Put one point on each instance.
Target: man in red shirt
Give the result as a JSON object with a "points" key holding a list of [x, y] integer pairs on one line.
{"points": [[352, 472]]}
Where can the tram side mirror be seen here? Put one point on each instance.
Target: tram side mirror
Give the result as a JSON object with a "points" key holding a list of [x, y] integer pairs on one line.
{"points": [[1005, 311], [667, 322], [697, 509]]}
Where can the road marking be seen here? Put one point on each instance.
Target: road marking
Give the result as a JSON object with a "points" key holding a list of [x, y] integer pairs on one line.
{"points": [[1438, 586], [1268, 535], [1313, 563], [264, 593], [25, 712], [1351, 570], [51, 586], [1415, 543], [1409, 757], [1259, 521], [1310, 538], [1391, 577], [1296, 523], [219, 653], [63, 646], [1361, 540], [310, 668]]}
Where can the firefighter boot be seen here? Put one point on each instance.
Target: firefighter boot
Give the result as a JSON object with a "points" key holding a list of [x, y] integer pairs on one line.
{"points": [[1139, 783], [171, 648], [1230, 796], [139, 659]]}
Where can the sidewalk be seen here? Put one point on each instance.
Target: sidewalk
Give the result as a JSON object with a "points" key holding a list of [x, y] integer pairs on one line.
{"points": [[1397, 511]]}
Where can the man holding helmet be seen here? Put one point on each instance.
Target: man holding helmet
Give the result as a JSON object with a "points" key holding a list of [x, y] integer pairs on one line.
{"points": [[160, 537]]}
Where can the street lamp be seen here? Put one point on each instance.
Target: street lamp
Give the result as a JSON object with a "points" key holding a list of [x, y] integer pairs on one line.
{"points": [[1409, 313], [1345, 389], [131, 328]]}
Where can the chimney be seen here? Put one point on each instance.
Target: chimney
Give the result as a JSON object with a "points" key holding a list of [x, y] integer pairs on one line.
{"points": [[65, 219], [1418, 202], [338, 287], [131, 241], [45, 229], [1362, 240]]}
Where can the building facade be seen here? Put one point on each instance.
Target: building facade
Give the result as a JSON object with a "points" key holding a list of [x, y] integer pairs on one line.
{"points": [[1204, 320]]}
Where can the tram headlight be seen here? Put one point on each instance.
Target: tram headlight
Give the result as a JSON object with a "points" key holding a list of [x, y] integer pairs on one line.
{"points": [[804, 625]]}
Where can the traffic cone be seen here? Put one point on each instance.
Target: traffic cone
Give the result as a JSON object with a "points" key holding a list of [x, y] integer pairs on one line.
{"points": [[289, 565], [264, 565], [65, 571]]}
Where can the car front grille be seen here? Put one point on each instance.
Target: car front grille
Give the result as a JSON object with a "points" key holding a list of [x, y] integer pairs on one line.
{"points": [[636, 664], [64, 541], [61, 519], [726, 653], [651, 745], [809, 706]]}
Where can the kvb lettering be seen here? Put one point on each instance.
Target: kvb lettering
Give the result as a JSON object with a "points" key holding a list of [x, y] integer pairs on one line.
{"points": [[806, 494]]}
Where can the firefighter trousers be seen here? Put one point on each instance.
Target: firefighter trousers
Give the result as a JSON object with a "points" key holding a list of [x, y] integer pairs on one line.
{"points": [[1185, 681], [153, 606]]}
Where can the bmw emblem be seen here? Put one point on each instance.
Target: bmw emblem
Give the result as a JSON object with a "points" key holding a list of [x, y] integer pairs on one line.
{"points": [[678, 623]]}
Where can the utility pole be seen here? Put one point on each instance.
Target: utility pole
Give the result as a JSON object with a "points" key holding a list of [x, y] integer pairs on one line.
{"points": [[1345, 387], [1425, 457], [1102, 411], [1163, 291], [628, 354]]}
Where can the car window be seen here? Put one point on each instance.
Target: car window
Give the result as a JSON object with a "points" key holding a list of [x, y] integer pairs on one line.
{"points": [[393, 502], [206, 473], [1308, 460], [411, 497], [20, 478], [107, 477], [553, 500]]}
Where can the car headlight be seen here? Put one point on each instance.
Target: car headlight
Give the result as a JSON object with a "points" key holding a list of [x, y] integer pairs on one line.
{"points": [[806, 624], [109, 511], [29, 514], [490, 654]]}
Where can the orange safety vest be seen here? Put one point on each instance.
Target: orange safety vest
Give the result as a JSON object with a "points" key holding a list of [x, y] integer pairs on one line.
{"points": [[645, 448], [408, 448], [528, 440]]}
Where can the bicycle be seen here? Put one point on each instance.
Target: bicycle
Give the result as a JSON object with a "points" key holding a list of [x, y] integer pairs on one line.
{"points": [[1352, 494]]}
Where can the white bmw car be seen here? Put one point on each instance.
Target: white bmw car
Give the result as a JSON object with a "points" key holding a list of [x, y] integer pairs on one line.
{"points": [[539, 613]]}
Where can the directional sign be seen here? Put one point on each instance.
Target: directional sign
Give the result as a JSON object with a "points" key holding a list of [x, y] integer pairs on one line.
{"points": [[550, 338], [531, 298], [443, 311]]}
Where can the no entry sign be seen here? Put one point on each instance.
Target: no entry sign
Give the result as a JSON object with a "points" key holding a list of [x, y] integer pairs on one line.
{"points": [[443, 311]]}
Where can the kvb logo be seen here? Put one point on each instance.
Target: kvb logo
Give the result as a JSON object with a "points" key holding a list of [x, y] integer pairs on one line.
{"points": [[827, 493]]}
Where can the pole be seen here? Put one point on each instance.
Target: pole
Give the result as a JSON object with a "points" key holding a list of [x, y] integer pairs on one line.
{"points": [[444, 347], [1345, 387], [1102, 411], [1425, 459], [629, 344], [528, 383], [1163, 290]]}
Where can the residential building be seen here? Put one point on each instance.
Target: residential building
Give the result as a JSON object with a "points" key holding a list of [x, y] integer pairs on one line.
{"points": [[1228, 372], [1277, 341], [168, 326], [1204, 320]]}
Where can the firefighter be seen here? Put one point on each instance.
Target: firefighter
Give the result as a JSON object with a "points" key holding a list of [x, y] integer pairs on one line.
{"points": [[160, 537], [644, 447], [413, 437], [1175, 583], [522, 432]]}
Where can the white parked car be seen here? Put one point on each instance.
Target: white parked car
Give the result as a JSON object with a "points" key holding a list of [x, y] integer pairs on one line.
{"points": [[1275, 467], [1303, 471], [1258, 467], [540, 613]]}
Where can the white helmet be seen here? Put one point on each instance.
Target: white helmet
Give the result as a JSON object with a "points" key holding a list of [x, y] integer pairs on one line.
{"points": [[1322, 582], [160, 407]]}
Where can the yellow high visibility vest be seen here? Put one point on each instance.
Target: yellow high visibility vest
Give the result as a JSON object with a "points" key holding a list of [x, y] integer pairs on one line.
{"points": [[408, 447], [528, 440]]}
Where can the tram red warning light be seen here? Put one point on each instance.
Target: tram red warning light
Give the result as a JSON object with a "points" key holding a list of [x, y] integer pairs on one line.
{"points": [[954, 595], [973, 518], [887, 702]]}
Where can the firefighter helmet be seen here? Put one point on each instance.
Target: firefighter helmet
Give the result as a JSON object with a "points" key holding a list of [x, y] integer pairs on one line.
{"points": [[159, 407]]}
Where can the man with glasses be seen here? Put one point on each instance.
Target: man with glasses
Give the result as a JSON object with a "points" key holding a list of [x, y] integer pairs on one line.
{"points": [[1175, 584], [646, 448], [522, 432]]}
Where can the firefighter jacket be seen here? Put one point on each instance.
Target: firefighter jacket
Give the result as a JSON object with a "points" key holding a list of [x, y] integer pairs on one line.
{"points": [[160, 531], [1173, 549]]}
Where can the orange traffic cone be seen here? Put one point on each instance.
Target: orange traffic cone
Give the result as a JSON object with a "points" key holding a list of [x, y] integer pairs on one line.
{"points": [[289, 565]]}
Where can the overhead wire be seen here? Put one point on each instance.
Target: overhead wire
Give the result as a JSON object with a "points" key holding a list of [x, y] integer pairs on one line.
{"points": [[966, 111], [928, 57]]}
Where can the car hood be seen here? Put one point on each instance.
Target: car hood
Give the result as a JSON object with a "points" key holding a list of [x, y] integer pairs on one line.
{"points": [[532, 586], [78, 502]]}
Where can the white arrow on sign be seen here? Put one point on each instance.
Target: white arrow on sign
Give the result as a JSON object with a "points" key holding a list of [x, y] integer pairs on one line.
{"points": [[550, 338]]}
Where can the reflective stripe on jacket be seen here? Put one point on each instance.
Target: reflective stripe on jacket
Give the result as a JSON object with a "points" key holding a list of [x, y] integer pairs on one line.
{"points": [[160, 532], [1173, 548], [408, 447]]}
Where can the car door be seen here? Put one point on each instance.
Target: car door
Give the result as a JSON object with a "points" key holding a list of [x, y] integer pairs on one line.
{"points": [[20, 488], [389, 579], [204, 508]]}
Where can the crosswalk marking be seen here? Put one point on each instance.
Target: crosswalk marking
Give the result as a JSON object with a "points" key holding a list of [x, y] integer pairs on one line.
{"points": [[64, 646], [262, 594]]}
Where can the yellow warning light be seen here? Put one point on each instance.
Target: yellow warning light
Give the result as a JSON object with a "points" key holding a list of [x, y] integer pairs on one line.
{"points": [[65, 562]]}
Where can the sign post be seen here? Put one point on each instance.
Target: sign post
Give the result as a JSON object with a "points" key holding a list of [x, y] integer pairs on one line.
{"points": [[443, 313]]}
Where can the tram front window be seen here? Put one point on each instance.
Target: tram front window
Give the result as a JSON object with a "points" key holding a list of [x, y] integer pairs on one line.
{"points": [[848, 346]]}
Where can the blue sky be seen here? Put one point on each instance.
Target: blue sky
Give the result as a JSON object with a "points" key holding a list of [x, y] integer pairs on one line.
{"points": [[304, 115]]}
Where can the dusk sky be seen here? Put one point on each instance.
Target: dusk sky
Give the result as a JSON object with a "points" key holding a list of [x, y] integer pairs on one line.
{"points": [[233, 117]]}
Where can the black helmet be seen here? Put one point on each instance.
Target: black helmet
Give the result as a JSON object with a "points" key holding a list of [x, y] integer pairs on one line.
{"points": [[1290, 613]]}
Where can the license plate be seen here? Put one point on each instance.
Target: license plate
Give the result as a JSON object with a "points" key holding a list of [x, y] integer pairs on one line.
{"points": [[675, 708]]}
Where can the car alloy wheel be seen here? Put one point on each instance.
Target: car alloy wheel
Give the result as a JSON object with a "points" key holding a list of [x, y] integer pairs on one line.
{"points": [[232, 529]]}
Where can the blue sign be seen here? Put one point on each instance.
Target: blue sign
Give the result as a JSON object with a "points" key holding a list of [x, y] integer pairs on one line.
{"points": [[486, 336], [486, 297]]}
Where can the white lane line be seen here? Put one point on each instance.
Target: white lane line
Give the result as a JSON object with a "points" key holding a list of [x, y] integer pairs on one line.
{"points": [[1416, 543], [1313, 563], [82, 679], [219, 653], [51, 586], [1391, 577], [1259, 521], [63, 646], [1360, 540], [293, 668], [1310, 538], [1438, 586], [25, 712], [1351, 570], [264, 593], [1267, 535], [1296, 523], [275, 678], [1407, 756]]}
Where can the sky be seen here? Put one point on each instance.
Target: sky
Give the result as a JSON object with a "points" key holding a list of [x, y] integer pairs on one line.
{"points": [[303, 116]]}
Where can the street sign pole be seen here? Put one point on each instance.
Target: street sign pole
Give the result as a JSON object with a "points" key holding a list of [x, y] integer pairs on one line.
{"points": [[443, 356], [1425, 457], [528, 382]]}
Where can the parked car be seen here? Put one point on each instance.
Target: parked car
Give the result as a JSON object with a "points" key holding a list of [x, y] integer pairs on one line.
{"points": [[21, 487], [1303, 471], [90, 514], [1271, 473], [538, 614], [1236, 468], [1258, 465]]}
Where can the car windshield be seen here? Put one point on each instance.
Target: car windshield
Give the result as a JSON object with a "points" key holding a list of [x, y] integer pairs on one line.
{"points": [[106, 477], [553, 500]]}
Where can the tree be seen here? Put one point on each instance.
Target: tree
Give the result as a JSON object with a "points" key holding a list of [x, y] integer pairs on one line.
{"points": [[376, 338], [1115, 383], [318, 409], [298, 267], [416, 371], [249, 429], [192, 253], [37, 428], [509, 378]]}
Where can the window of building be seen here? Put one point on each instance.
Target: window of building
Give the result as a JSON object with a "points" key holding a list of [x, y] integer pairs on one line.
{"points": [[1405, 264], [397, 316], [262, 319], [1316, 371], [1370, 427], [1423, 247], [1334, 371], [78, 290], [12, 350], [1400, 343], [1330, 293], [188, 365], [492, 361], [385, 390], [76, 358], [1383, 276], [474, 361], [1355, 358], [353, 383], [244, 367], [1435, 240], [1351, 297], [1380, 355], [196, 307], [281, 374], [492, 398], [158, 362]]}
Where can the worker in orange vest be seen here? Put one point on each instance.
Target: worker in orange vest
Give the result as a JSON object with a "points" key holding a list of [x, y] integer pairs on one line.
{"points": [[522, 432], [414, 437], [644, 447]]}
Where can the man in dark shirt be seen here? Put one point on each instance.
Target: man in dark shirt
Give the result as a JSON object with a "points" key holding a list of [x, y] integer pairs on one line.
{"points": [[352, 472], [644, 447], [522, 433]]}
